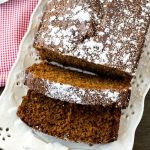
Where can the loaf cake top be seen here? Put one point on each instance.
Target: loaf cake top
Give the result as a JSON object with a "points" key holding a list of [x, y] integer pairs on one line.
{"points": [[77, 87], [103, 32]]}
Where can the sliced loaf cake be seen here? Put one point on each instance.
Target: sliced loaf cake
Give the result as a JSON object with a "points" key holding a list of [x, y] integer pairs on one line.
{"points": [[102, 36], [72, 105]]}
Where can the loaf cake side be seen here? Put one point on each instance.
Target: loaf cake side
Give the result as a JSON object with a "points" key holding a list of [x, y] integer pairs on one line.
{"points": [[101, 36], [72, 122], [77, 87]]}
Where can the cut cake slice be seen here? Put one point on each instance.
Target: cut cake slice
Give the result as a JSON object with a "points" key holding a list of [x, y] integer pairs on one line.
{"points": [[91, 124], [77, 87]]}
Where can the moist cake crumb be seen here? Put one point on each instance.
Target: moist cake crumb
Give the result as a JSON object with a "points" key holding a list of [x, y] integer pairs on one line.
{"points": [[91, 124], [77, 87]]}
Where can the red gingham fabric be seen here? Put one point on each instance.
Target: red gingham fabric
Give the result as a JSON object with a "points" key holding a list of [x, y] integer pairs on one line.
{"points": [[14, 19]]}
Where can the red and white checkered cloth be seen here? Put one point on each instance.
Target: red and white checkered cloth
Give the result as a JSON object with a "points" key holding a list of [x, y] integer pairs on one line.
{"points": [[14, 20]]}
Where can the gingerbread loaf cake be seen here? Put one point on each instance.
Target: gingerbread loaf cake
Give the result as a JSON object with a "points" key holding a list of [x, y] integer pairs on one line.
{"points": [[77, 87], [103, 36], [91, 124]]}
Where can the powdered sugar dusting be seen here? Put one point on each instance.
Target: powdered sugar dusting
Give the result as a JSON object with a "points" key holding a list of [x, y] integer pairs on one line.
{"points": [[125, 32], [89, 49], [110, 35], [65, 31], [59, 36], [81, 14], [111, 95], [78, 95], [63, 92]]}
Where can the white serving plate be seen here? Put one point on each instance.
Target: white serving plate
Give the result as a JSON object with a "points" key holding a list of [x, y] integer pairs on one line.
{"points": [[24, 138], [3, 1]]}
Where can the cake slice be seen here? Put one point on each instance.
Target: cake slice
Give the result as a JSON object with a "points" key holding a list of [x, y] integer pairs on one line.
{"points": [[91, 124], [101, 36], [77, 87]]}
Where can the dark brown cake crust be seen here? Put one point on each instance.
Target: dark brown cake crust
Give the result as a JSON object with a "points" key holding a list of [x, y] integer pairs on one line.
{"points": [[108, 37], [79, 123], [75, 87]]}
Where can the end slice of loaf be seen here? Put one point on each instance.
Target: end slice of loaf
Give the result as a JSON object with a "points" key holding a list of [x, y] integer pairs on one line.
{"points": [[77, 87], [72, 122]]}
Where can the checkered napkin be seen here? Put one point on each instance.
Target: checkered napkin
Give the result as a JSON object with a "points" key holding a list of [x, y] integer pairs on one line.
{"points": [[14, 20]]}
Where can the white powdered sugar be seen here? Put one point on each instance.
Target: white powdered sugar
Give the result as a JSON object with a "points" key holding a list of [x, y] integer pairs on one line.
{"points": [[111, 95], [117, 35], [63, 92], [126, 57], [89, 50], [78, 95], [65, 38], [81, 14], [61, 36], [106, 95]]}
